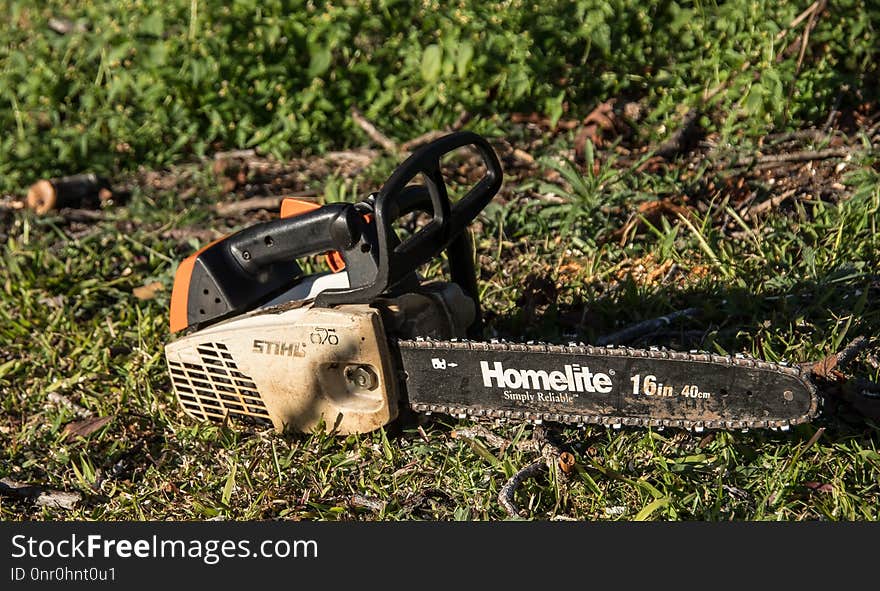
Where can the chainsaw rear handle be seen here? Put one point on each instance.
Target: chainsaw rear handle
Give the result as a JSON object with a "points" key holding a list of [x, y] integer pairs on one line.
{"points": [[337, 226], [398, 260], [246, 269]]}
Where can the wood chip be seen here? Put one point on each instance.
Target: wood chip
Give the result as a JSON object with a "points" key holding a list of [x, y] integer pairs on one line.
{"points": [[149, 291], [523, 157], [371, 503], [566, 462], [63, 26]]}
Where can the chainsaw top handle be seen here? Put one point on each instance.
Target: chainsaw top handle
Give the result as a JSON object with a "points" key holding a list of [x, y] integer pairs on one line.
{"points": [[396, 260]]}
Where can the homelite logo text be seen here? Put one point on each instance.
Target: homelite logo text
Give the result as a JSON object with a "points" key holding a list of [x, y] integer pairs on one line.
{"points": [[574, 378]]}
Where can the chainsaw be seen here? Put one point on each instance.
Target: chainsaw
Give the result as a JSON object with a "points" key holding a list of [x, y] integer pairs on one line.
{"points": [[343, 349]]}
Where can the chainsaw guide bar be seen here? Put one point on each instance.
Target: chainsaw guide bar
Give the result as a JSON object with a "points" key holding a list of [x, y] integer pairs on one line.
{"points": [[603, 385]]}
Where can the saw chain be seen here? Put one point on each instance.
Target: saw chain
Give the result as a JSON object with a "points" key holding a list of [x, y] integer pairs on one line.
{"points": [[612, 386]]}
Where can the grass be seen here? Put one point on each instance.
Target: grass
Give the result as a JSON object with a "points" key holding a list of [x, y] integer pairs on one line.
{"points": [[147, 85], [569, 250]]}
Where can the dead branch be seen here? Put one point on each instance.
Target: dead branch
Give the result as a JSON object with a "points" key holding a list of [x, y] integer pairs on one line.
{"points": [[860, 394], [805, 155], [201, 235], [374, 134], [237, 207], [826, 368], [709, 94], [724, 85], [10, 204], [851, 351], [82, 215], [798, 19], [235, 154], [801, 134], [805, 38], [764, 206], [802, 156], [645, 327]]}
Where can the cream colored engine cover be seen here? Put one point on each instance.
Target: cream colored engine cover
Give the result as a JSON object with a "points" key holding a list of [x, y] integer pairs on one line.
{"points": [[298, 367]]}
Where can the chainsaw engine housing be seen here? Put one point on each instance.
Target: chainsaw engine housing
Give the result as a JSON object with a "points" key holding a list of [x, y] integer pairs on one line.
{"points": [[297, 368], [301, 367]]}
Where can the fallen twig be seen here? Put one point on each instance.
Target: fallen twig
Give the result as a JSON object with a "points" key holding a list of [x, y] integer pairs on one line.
{"points": [[764, 206], [430, 136], [860, 394], [508, 491], [236, 207], [272, 203], [82, 215], [463, 119], [201, 235], [802, 156], [851, 351], [815, 135], [374, 134], [645, 327], [235, 154], [552, 459], [798, 19], [805, 39], [11, 204], [480, 431]]}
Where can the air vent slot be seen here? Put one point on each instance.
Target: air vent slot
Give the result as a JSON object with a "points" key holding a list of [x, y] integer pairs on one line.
{"points": [[216, 389]]}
